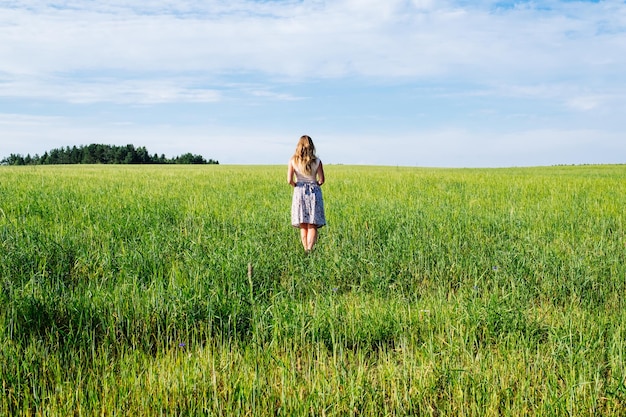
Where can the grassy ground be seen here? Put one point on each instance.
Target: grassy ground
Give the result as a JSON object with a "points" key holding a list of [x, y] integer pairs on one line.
{"points": [[125, 291]]}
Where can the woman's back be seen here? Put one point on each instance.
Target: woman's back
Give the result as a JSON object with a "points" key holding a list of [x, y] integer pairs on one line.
{"points": [[302, 176]]}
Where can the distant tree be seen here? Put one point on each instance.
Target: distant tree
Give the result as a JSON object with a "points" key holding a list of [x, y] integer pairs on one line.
{"points": [[65, 155], [190, 158], [130, 155], [14, 159], [103, 154], [75, 155], [142, 155]]}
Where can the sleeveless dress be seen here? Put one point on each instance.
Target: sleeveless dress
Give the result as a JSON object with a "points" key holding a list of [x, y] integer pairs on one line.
{"points": [[307, 205]]}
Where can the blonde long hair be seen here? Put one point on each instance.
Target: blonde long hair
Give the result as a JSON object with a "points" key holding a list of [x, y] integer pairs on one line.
{"points": [[304, 157]]}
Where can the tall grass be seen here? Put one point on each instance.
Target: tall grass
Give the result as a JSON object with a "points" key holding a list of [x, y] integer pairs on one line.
{"points": [[125, 291]]}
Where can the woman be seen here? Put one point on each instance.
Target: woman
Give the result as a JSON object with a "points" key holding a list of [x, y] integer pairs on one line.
{"points": [[307, 206]]}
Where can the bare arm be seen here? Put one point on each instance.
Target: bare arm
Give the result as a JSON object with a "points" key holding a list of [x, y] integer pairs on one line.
{"points": [[290, 173], [320, 174]]}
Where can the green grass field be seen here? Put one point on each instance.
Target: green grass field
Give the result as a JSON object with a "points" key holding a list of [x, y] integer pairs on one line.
{"points": [[124, 290]]}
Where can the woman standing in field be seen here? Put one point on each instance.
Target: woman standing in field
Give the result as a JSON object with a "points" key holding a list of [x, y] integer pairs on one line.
{"points": [[307, 206]]}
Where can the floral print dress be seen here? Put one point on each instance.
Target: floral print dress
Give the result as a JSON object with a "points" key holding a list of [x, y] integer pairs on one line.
{"points": [[307, 205]]}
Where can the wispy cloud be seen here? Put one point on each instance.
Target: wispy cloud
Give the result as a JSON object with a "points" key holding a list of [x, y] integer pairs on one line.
{"points": [[518, 66], [312, 39], [93, 89]]}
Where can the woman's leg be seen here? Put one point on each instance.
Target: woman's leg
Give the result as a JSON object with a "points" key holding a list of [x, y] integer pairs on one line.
{"points": [[311, 236], [304, 229]]}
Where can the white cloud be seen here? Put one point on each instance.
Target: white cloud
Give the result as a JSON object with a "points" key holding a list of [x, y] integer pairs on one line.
{"points": [[304, 39], [585, 103], [532, 70], [109, 89]]}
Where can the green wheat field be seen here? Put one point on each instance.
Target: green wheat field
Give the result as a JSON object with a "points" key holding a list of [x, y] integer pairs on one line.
{"points": [[126, 290]]}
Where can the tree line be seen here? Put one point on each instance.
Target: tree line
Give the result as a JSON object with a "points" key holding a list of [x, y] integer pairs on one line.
{"points": [[102, 154]]}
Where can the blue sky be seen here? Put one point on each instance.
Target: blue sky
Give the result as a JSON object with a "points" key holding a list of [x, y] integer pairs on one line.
{"points": [[449, 83]]}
